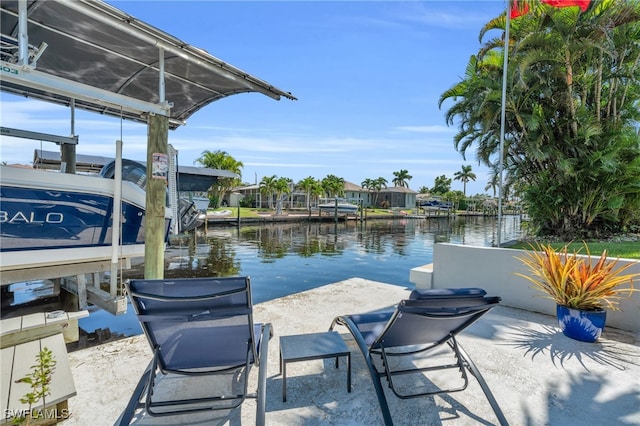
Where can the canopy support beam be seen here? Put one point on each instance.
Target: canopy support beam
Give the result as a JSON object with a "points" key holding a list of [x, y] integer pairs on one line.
{"points": [[47, 137], [49, 83]]}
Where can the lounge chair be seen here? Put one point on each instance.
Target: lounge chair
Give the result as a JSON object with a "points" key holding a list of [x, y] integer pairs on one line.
{"points": [[198, 326], [417, 328]]}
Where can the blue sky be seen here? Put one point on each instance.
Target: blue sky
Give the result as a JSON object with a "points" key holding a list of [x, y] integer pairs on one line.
{"points": [[368, 76]]}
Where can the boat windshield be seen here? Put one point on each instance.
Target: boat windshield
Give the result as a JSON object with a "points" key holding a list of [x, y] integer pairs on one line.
{"points": [[132, 171]]}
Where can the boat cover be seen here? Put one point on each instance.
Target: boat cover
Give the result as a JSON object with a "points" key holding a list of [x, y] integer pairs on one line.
{"points": [[93, 43]]}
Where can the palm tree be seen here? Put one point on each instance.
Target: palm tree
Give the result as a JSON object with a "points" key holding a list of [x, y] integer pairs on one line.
{"points": [[268, 188], [368, 185], [401, 178], [464, 176], [477, 106], [282, 186], [308, 184], [573, 79], [493, 182], [441, 185], [223, 161], [333, 186], [376, 186], [317, 191]]}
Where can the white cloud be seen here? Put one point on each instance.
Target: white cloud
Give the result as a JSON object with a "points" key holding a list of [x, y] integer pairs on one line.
{"points": [[454, 16]]}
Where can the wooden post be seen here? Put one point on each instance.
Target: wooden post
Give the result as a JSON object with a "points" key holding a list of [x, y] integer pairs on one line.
{"points": [[68, 156], [157, 143]]}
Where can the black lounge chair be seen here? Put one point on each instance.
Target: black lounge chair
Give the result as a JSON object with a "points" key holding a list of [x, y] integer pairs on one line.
{"points": [[199, 326], [419, 326]]}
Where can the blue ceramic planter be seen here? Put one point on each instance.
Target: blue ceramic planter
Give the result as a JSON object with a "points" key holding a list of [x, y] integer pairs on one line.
{"points": [[581, 325]]}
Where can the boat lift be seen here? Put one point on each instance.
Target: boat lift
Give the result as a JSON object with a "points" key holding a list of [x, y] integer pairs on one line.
{"points": [[163, 81]]}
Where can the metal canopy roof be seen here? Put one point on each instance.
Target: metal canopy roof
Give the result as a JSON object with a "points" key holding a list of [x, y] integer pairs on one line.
{"points": [[101, 59]]}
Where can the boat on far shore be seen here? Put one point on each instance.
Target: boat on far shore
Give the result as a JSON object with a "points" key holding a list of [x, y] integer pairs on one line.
{"points": [[341, 207]]}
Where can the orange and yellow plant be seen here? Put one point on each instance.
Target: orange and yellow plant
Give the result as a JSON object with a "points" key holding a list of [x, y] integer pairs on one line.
{"points": [[578, 282]]}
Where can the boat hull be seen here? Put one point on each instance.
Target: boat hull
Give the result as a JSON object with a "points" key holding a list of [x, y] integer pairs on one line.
{"points": [[44, 211], [342, 208], [44, 219]]}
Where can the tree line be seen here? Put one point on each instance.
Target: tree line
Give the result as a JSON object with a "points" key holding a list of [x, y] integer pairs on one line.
{"points": [[571, 134], [275, 188]]}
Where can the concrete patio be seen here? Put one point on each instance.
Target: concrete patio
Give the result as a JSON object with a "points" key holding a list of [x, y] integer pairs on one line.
{"points": [[538, 376]]}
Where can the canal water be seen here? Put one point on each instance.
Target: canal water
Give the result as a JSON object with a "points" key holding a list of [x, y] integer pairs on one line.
{"points": [[287, 258]]}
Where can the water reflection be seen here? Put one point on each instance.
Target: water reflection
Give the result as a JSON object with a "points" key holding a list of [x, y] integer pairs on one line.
{"points": [[287, 258], [314, 253]]}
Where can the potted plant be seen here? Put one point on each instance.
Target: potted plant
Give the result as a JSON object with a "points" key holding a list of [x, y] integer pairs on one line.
{"points": [[582, 288]]}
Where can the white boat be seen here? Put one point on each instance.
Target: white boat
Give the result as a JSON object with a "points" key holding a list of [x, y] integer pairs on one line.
{"points": [[342, 207]]}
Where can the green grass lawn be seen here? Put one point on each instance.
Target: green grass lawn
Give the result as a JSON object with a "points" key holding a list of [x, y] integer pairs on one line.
{"points": [[247, 212], [623, 249]]}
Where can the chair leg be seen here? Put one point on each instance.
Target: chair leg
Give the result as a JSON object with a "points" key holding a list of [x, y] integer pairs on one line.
{"points": [[150, 387], [485, 388], [134, 402], [261, 402], [375, 376], [377, 385]]}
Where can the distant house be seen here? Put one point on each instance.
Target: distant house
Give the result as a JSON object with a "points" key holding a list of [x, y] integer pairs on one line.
{"points": [[398, 197], [297, 199], [250, 196], [356, 194]]}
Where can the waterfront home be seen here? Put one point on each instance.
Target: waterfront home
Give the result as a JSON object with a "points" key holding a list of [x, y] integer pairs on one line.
{"points": [[396, 197]]}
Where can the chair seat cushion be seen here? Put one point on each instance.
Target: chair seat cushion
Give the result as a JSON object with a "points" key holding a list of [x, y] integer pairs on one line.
{"points": [[371, 325], [446, 293]]}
